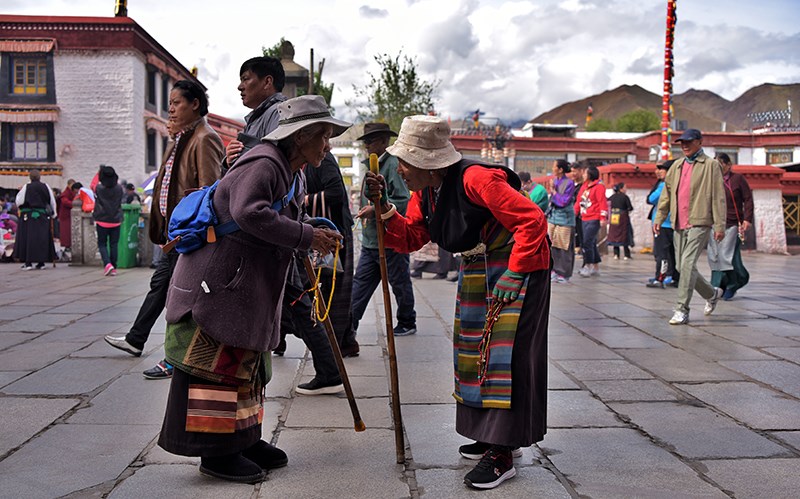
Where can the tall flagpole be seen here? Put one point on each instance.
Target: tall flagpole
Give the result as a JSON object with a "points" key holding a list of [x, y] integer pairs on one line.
{"points": [[666, 104]]}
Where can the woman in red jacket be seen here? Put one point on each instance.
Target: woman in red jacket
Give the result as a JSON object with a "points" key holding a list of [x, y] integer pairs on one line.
{"points": [[592, 206]]}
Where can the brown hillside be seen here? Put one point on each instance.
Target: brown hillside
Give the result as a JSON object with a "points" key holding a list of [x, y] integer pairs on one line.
{"points": [[699, 108]]}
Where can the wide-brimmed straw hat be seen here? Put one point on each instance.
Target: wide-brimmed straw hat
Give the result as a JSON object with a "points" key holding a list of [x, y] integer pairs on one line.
{"points": [[372, 130], [424, 142], [300, 112]]}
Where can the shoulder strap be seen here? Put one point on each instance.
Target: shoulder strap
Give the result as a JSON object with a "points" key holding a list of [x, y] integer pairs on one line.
{"points": [[285, 200]]}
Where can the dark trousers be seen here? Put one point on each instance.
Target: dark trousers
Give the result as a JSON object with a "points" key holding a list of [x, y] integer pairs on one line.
{"points": [[664, 249], [590, 252], [106, 236], [154, 302], [368, 276], [296, 319], [626, 249]]}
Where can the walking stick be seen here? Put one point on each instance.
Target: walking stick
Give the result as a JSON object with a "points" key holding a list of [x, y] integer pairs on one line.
{"points": [[400, 447], [358, 424]]}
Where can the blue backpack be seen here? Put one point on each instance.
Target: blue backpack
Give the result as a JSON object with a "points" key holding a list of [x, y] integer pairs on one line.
{"points": [[194, 222]]}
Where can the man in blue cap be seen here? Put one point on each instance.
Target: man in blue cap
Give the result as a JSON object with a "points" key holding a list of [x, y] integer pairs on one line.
{"points": [[694, 199]]}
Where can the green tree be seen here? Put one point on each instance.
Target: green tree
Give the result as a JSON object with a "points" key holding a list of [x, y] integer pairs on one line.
{"points": [[320, 87], [396, 92], [600, 125], [640, 120]]}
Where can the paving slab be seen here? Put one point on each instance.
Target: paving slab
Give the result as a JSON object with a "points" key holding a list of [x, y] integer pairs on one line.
{"points": [[86, 330], [167, 481], [333, 411], [781, 375], [621, 463], [284, 371], [14, 312], [530, 481], [603, 370], [792, 354], [697, 432], [757, 478], [130, 400], [435, 377], [672, 364], [424, 349], [431, 433], [557, 380], [618, 309], [713, 348], [750, 404], [337, 463], [69, 377], [69, 458], [24, 417], [623, 337], [790, 437], [34, 356], [9, 339], [750, 336], [576, 409], [630, 390], [578, 347]]}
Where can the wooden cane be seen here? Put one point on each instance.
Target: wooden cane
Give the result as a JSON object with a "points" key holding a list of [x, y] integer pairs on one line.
{"points": [[399, 442], [358, 424]]}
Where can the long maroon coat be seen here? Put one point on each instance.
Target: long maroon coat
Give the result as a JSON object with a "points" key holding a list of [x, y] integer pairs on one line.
{"points": [[65, 219]]}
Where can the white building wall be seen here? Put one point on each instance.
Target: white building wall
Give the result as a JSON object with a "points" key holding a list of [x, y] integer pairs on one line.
{"points": [[101, 98], [770, 225]]}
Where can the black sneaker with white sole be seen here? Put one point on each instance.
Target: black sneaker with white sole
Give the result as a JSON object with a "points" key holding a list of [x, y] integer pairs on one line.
{"points": [[495, 467], [318, 387], [476, 451], [405, 330]]}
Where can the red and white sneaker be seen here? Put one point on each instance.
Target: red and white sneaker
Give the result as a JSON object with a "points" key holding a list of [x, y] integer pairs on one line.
{"points": [[109, 269]]}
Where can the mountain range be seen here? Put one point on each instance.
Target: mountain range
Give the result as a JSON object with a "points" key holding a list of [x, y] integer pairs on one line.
{"points": [[698, 108]]}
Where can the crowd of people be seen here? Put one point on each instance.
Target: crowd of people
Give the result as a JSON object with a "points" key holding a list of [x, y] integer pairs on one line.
{"points": [[505, 238]]}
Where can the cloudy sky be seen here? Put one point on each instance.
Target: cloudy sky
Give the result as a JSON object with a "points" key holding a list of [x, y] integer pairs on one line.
{"points": [[511, 59]]}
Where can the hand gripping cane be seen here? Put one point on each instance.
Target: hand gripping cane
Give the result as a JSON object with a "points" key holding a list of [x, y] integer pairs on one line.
{"points": [[358, 424], [400, 447]]}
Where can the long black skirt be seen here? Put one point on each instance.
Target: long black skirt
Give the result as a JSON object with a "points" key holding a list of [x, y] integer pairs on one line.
{"points": [[34, 242], [526, 422], [193, 433]]}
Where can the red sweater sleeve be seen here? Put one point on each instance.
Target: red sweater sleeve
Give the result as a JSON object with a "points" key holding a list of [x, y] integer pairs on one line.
{"points": [[407, 233], [488, 187]]}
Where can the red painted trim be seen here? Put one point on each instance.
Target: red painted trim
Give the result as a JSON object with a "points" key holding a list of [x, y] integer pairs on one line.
{"points": [[790, 184]]}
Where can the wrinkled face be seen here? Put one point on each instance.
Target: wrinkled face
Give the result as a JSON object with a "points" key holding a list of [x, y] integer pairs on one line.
{"points": [[415, 178], [254, 90], [315, 146], [690, 147], [181, 111]]}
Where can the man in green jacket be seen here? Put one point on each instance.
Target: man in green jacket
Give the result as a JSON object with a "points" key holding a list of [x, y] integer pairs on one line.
{"points": [[694, 198], [368, 272]]}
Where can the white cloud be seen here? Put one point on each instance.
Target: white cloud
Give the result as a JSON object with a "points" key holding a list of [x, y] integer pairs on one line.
{"points": [[513, 59]]}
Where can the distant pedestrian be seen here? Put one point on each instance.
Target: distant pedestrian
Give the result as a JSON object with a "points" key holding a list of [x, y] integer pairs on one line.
{"points": [[578, 169], [65, 215], [725, 257], [592, 206], [694, 198], [561, 222], [620, 229], [37, 207], [108, 217], [537, 192], [131, 196], [663, 248]]}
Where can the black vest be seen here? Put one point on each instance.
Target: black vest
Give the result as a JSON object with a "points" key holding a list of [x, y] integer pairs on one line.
{"points": [[453, 221]]}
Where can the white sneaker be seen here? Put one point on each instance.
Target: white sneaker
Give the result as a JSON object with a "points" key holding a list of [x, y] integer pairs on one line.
{"points": [[585, 272], [679, 318], [711, 303]]}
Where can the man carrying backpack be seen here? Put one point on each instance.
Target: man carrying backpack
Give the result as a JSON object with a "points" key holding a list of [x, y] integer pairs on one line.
{"points": [[191, 161]]}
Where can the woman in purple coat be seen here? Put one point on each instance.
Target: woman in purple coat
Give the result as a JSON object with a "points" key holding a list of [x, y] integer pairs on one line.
{"points": [[224, 303]]}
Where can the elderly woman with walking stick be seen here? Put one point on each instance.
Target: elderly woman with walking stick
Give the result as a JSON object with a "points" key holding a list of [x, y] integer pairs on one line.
{"points": [[224, 304], [503, 301]]}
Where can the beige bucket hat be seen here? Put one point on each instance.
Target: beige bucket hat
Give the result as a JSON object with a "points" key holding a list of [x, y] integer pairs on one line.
{"points": [[300, 112], [424, 142]]}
